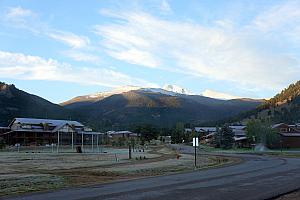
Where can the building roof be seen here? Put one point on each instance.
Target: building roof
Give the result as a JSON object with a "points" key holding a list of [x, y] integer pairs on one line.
{"points": [[206, 129], [240, 138], [239, 132], [241, 127], [123, 132], [37, 125], [1, 127], [279, 124], [51, 122], [209, 135], [290, 134], [92, 133]]}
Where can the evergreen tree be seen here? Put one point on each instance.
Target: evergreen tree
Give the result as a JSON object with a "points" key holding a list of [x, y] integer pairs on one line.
{"points": [[226, 137], [178, 134], [217, 139]]}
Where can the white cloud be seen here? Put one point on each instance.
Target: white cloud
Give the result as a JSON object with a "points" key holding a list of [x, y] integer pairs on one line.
{"points": [[135, 56], [81, 56], [27, 67], [74, 41], [27, 19], [18, 12], [281, 21], [218, 95], [219, 52], [165, 6], [286, 13]]}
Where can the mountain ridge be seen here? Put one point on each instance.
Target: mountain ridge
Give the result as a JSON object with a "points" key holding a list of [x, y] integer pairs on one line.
{"points": [[123, 109], [147, 106], [17, 103], [171, 90]]}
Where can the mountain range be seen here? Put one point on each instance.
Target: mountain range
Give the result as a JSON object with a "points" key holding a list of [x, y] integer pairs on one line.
{"points": [[124, 107], [164, 107]]}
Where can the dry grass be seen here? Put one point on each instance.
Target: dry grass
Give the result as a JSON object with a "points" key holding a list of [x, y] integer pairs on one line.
{"points": [[27, 172]]}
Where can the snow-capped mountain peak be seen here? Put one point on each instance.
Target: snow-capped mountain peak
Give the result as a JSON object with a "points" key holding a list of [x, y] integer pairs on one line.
{"points": [[171, 90], [176, 89], [119, 90]]}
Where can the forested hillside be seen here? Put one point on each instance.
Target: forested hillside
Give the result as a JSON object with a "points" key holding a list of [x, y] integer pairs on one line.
{"points": [[17, 103], [283, 107]]}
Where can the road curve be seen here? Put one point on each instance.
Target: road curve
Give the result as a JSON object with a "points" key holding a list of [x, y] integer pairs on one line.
{"points": [[258, 177]]}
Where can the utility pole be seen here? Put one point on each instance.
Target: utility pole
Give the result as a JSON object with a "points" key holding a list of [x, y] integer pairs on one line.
{"points": [[57, 142], [129, 151], [72, 141], [195, 156]]}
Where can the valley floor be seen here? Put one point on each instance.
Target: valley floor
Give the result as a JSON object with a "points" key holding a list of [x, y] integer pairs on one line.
{"points": [[29, 171], [255, 177]]}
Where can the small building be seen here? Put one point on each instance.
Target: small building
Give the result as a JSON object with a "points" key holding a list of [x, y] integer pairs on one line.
{"points": [[205, 130], [206, 134], [289, 135], [239, 131], [121, 134]]}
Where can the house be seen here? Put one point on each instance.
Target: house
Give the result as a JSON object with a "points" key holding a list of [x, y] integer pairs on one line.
{"points": [[240, 136], [239, 131], [206, 134], [289, 135], [205, 130], [31, 131], [121, 134]]}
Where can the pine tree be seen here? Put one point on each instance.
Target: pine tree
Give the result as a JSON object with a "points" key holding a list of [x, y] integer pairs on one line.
{"points": [[226, 135]]}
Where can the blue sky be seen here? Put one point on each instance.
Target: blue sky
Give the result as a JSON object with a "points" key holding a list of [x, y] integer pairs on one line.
{"points": [[62, 49]]}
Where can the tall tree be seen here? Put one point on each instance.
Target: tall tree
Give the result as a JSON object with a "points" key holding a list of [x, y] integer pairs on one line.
{"points": [[261, 132], [226, 135], [178, 133]]}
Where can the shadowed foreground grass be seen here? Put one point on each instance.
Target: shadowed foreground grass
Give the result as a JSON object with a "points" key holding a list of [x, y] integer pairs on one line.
{"points": [[23, 173]]}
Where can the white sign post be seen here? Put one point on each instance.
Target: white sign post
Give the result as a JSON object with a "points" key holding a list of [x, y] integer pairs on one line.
{"points": [[195, 144]]}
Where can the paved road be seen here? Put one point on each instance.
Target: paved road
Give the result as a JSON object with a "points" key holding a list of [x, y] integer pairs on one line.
{"points": [[258, 177]]}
